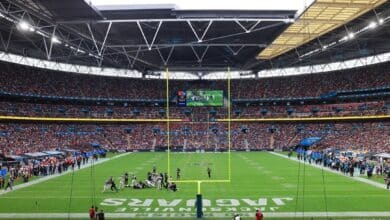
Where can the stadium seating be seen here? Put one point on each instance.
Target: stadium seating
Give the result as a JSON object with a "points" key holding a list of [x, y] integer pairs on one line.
{"points": [[199, 129], [92, 111], [16, 139], [26, 80]]}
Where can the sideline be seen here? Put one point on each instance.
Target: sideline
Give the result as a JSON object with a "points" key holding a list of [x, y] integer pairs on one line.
{"points": [[356, 178], [46, 178], [191, 215]]}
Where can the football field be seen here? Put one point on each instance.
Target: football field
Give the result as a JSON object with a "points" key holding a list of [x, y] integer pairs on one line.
{"points": [[282, 188]]}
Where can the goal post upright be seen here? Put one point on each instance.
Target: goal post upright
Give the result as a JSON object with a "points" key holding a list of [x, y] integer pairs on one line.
{"points": [[168, 120], [199, 205], [229, 129], [226, 119]]}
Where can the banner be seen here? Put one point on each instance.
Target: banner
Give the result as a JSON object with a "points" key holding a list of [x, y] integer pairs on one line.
{"points": [[3, 172]]}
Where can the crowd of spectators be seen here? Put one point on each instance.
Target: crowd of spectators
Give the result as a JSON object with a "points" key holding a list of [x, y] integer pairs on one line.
{"points": [[313, 85], [351, 163], [193, 114], [27, 80], [17, 139], [27, 168]]}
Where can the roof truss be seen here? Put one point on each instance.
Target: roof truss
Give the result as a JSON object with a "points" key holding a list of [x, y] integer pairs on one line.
{"points": [[320, 18]]}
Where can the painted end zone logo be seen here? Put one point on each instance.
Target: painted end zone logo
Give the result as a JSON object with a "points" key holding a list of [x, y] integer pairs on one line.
{"points": [[186, 208]]}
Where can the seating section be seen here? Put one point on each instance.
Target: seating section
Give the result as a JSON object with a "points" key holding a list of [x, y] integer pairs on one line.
{"points": [[27, 80], [16, 139], [199, 129]]}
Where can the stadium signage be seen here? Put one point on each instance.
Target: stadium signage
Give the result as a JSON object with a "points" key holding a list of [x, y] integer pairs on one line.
{"points": [[188, 206]]}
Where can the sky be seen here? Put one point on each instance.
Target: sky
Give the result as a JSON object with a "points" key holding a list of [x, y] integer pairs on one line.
{"points": [[298, 5]]}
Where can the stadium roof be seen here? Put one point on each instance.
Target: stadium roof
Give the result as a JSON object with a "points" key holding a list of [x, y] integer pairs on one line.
{"points": [[320, 18], [196, 37], [295, 5]]}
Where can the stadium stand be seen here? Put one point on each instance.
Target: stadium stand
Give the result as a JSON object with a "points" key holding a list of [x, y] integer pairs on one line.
{"points": [[17, 79], [17, 139], [69, 95]]}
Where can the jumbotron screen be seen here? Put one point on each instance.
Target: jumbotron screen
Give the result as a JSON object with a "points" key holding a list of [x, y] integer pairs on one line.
{"points": [[200, 98]]}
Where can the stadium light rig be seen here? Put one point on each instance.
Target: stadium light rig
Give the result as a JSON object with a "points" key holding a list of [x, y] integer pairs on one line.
{"points": [[351, 35], [7, 18], [348, 36], [289, 20], [55, 40], [25, 26], [372, 25]]}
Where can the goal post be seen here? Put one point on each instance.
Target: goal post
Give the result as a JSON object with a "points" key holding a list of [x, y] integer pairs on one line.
{"points": [[225, 127]]}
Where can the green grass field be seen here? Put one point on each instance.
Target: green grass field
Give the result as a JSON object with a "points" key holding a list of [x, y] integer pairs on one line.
{"points": [[259, 180]]}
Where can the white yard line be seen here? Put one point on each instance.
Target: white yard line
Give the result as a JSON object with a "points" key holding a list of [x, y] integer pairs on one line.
{"points": [[46, 178], [191, 215], [356, 178]]}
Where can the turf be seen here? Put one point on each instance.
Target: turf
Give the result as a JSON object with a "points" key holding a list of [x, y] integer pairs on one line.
{"points": [[255, 175], [376, 178]]}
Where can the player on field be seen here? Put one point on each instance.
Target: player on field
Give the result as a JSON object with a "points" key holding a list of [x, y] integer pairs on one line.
{"points": [[112, 183], [154, 168], [159, 181], [388, 180], [113, 186], [178, 174], [209, 172], [126, 177], [121, 182], [172, 186], [165, 180]]}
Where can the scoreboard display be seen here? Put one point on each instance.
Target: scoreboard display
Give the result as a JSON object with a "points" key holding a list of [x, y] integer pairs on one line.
{"points": [[200, 98]]}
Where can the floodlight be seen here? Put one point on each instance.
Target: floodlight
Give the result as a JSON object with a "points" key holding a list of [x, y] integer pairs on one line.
{"points": [[381, 21], [23, 25], [289, 20], [372, 25], [344, 38], [351, 35], [55, 40]]}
